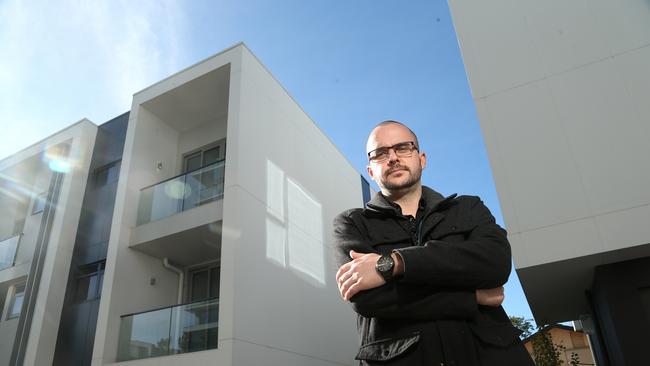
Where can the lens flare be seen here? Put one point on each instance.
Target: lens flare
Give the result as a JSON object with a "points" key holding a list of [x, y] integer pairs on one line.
{"points": [[60, 166], [177, 190]]}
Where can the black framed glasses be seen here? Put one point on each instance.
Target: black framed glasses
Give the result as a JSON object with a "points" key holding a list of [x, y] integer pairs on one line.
{"points": [[402, 150]]}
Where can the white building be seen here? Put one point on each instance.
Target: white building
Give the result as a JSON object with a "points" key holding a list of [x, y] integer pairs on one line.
{"points": [[218, 249], [561, 90], [41, 190]]}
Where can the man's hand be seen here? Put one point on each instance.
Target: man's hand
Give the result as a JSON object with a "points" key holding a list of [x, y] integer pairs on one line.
{"points": [[490, 296], [359, 274]]}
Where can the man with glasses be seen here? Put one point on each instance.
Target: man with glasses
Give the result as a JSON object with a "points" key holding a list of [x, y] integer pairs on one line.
{"points": [[423, 272]]}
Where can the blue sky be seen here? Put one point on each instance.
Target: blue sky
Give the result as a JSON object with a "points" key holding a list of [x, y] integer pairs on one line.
{"points": [[349, 64]]}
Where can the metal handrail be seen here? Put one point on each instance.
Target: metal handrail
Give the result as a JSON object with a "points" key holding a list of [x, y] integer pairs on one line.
{"points": [[169, 307], [182, 174]]}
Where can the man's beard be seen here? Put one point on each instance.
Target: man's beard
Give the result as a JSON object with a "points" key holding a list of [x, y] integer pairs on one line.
{"points": [[413, 179]]}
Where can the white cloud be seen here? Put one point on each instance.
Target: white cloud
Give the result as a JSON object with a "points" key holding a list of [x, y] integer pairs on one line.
{"points": [[64, 60]]}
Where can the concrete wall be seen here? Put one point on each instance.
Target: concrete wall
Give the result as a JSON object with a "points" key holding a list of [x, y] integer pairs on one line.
{"points": [[49, 302], [149, 140], [561, 91], [127, 287], [78, 140], [288, 184], [284, 182], [205, 134]]}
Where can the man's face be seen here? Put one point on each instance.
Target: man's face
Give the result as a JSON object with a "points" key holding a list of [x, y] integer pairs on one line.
{"points": [[395, 173]]}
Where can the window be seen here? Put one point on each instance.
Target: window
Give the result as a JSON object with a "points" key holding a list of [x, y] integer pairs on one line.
{"points": [[16, 302], [204, 283], [107, 174], [204, 156], [39, 203], [89, 281], [205, 185]]}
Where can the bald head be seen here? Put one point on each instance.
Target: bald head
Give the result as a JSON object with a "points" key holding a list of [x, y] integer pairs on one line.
{"points": [[389, 125]]}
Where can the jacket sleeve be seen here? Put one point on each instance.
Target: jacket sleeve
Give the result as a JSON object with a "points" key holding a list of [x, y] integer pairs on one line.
{"points": [[482, 260], [397, 299]]}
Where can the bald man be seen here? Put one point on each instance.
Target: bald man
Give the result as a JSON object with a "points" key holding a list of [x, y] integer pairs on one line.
{"points": [[423, 272]]}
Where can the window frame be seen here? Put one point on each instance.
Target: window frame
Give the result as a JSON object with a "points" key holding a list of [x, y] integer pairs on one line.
{"points": [[18, 289], [87, 271], [221, 144], [106, 168]]}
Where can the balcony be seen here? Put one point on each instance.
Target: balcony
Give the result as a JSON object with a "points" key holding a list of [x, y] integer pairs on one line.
{"points": [[169, 331], [8, 249], [181, 193]]}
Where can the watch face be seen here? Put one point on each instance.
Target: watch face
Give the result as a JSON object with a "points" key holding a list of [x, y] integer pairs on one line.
{"points": [[384, 264]]}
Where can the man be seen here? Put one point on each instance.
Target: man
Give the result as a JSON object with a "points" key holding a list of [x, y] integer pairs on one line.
{"points": [[423, 272]]}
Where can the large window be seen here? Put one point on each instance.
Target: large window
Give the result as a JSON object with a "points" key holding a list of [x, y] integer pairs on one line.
{"points": [[16, 305]]}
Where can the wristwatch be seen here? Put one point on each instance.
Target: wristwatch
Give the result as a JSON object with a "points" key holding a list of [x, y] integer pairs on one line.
{"points": [[384, 266]]}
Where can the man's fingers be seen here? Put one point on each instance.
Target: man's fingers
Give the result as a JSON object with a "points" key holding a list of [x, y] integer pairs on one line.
{"points": [[352, 290], [344, 278], [342, 270], [355, 255], [345, 286]]}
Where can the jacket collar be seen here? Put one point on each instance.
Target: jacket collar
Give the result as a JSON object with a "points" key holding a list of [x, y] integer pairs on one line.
{"points": [[433, 199]]}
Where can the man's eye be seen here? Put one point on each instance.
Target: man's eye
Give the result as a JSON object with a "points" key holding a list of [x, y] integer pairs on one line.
{"points": [[402, 147], [380, 154]]}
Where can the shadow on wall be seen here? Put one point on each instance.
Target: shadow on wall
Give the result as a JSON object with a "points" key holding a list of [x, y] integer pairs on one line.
{"points": [[294, 226]]}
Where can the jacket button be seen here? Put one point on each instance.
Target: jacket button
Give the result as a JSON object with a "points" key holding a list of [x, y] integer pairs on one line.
{"points": [[453, 227]]}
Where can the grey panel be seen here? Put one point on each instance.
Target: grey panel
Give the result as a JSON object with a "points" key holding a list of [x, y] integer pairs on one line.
{"points": [[78, 320]]}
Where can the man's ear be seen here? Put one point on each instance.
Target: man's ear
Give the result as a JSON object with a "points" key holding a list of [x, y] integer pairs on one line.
{"points": [[370, 172], [423, 160]]}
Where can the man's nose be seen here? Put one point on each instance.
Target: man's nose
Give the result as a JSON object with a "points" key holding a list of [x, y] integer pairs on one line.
{"points": [[392, 156]]}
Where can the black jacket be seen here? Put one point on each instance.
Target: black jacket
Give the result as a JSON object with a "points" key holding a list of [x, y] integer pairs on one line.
{"points": [[429, 316]]}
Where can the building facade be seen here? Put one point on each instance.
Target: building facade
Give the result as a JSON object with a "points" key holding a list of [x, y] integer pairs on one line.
{"points": [[561, 91], [570, 345], [193, 229]]}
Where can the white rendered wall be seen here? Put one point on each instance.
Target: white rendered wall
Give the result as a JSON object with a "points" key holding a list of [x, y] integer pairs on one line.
{"points": [[127, 288], [288, 183], [205, 134], [562, 89], [49, 300], [282, 176]]}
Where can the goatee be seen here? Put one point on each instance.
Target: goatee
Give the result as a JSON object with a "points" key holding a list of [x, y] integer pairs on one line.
{"points": [[410, 182]]}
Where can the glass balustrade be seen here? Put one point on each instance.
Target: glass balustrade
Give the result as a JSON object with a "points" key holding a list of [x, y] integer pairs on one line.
{"points": [[169, 331], [8, 248], [181, 193]]}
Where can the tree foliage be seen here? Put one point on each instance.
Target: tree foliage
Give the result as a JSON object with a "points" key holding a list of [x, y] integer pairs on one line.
{"points": [[545, 352], [525, 325]]}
